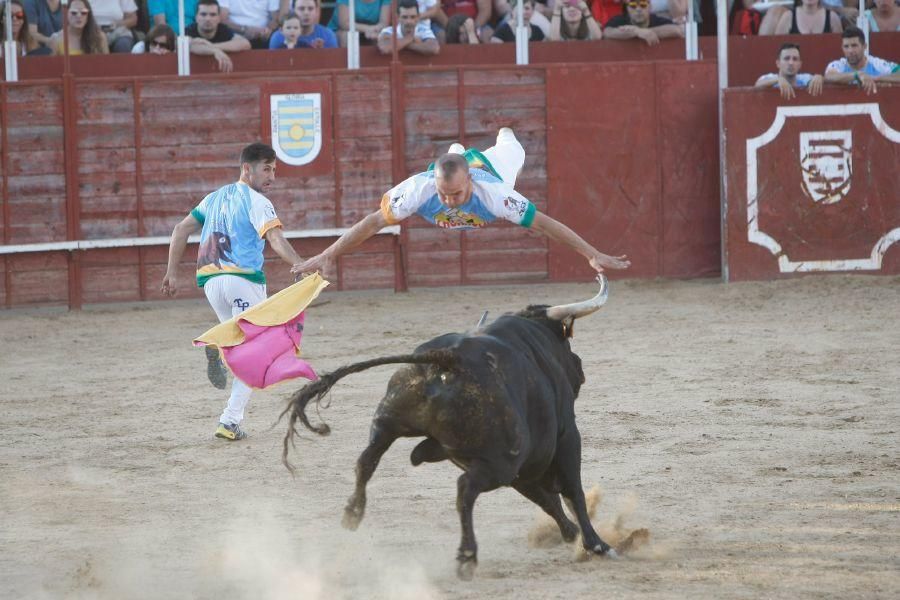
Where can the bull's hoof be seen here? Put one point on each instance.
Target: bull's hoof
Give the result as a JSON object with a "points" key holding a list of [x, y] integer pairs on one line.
{"points": [[352, 518], [606, 551], [465, 570]]}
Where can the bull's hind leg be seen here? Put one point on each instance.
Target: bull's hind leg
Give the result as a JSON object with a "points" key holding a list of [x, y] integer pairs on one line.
{"points": [[568, 464], [478, 478], [381, 436], [551, 505]]}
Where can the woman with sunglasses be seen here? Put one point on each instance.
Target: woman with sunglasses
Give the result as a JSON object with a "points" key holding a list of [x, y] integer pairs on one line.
{"points": [[160, 40], [84, 35], [25, 44], [572, 20]]}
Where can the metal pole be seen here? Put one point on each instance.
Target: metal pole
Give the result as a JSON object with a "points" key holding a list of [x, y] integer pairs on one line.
{"points": [[10, 53], [352, 38], [65, 27], [523, 34], [183, 45], [863, 23], [690, 34], [722, 59]]}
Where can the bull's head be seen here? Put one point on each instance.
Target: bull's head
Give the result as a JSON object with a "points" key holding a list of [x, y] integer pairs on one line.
{"points": [[567, 313]]}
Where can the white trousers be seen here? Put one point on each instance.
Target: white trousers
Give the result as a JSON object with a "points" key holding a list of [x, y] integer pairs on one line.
{"points": [[229, 296], [507, 155]]}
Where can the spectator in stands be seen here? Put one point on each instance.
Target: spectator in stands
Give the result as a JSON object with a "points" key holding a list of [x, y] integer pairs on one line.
{"points": [[774, 14], [160, 40], [255, 20], [311, 33], [165, 12], [540, 16], [789, 76], [461, 30], [21, 33], [478, 10], [743, 18], [290, 34], [210, 37], [427, 10], [572, 20], [674, 10], [85, 36], [411, 34], [44, 19], [856, 68], [885, 16], [638, 22], [507, 31], [371, 17], [808, 16], [115, 19], [604, 10]]}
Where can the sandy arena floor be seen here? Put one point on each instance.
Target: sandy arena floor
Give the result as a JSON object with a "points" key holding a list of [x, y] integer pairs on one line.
{"points": [[752, 428]]}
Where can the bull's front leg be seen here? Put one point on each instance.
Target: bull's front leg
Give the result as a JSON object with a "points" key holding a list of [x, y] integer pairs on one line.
{"points": [[380, 439]]}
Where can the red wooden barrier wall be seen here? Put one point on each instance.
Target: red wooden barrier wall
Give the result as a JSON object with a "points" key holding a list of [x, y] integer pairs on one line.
{"points": [[812, 183]]}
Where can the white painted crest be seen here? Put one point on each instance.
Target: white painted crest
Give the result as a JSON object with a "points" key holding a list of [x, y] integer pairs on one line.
{"points": [[296, 121], [826, 162]]}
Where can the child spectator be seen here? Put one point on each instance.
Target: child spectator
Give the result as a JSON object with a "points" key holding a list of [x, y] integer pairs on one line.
{"points": [[160, 40], [312, 34], [371, 17], [573, 21], [290, 34], [507, 31], [85, 36]]}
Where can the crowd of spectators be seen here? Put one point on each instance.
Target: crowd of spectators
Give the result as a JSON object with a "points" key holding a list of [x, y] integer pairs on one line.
{"points": [[218, 28]]}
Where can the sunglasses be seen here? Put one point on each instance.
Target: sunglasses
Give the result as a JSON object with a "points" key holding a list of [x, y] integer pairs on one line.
{"points": [[642, 4], [18, 16], [75, 13], [155, 44]]}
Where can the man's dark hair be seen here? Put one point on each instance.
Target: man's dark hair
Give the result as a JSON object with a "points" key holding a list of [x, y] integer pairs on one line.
{"points": [[854, 32], [407, 4], [257, 152], [210, 3], [449, 164], [788, 46]]}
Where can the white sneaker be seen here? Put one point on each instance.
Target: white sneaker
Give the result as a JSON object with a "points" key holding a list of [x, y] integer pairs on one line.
{"points": [[456, 148]]}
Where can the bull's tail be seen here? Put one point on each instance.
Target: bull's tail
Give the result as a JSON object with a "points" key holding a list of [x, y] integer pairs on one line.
{"points": [[316, 390]]}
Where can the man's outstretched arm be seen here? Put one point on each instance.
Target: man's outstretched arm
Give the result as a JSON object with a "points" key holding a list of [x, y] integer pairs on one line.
{"points": [[177, 245], [353, 238], [281, 246], [558, 232]]}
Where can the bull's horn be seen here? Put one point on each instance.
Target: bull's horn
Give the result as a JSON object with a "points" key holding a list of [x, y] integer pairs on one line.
{"points": [[581, 309]]}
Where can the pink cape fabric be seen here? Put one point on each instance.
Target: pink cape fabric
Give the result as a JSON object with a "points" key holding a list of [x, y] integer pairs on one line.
{"points": [[268, 354]]}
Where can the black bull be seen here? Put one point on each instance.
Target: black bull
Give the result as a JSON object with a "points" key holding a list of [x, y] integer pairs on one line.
{"points": [[498, 401]]}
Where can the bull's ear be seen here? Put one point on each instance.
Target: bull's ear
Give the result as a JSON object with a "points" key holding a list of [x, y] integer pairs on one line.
{"points": [[568, 326]]}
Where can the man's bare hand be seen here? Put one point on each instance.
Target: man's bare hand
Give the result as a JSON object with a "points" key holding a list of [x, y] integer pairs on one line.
{"points": [[169, 285], [816, 85], [787, 90], [610, 262], [868, 84], [224, 61]]}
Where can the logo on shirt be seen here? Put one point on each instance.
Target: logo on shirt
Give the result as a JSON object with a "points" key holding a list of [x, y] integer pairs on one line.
{"points": [[517, 206], [296, 121], [826, 163], [453, 218]]}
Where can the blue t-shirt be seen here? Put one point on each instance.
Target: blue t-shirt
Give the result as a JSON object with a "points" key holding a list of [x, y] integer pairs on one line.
{"points": [[170, 9], [366, 12], [327, 35], [491, 199], [235, 220], [874, 66]]}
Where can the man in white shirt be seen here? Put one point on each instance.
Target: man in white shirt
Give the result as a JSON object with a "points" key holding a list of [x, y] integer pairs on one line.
{"points": [[412, 34], [789, 76], [116, 18]]}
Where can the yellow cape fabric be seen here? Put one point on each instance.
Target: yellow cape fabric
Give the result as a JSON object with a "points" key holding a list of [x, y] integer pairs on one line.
{"points": [[275, 310]]}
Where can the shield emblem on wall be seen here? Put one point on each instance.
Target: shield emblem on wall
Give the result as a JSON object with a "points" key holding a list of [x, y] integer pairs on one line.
{"points": [[296, 121], [826, 163]]}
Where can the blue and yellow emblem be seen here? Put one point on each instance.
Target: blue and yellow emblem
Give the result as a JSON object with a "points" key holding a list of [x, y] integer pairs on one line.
{"points": [[296, 127]]}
